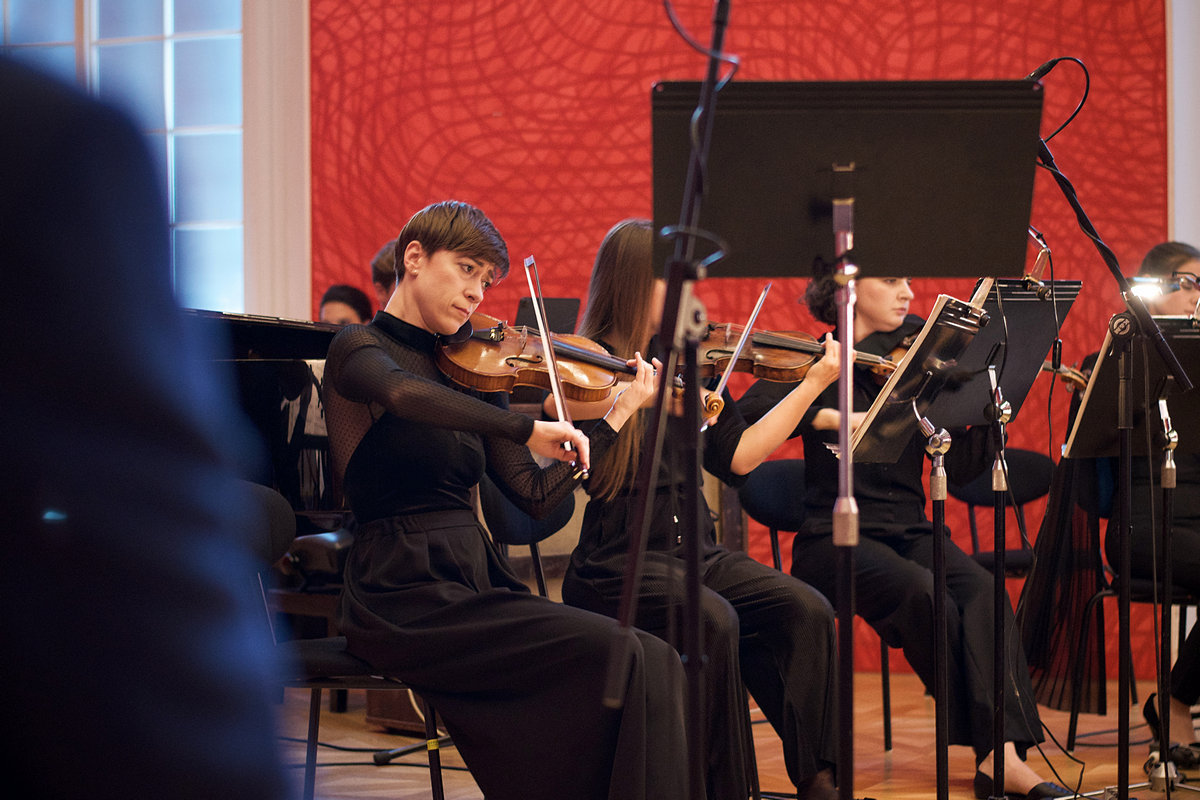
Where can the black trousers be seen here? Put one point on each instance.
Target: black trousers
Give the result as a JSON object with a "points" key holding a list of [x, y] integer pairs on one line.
{"points": [[762, 630], [894, 586]]}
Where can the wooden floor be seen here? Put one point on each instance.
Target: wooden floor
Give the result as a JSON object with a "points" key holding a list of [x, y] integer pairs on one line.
{"points": [[906, 773]]}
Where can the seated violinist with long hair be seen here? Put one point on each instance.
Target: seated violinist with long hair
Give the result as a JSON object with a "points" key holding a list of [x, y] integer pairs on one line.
{"points": [[762, 630]]}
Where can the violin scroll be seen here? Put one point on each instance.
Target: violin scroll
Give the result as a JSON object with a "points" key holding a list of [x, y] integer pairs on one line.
{"points": [[1073, 378]]}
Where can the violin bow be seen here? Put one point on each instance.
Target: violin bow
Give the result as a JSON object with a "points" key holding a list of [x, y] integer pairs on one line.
{"points": [[539, 311], [741, 344]]}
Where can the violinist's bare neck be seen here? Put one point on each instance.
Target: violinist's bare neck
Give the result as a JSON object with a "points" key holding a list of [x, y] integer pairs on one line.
{"points": [[403, 308]]}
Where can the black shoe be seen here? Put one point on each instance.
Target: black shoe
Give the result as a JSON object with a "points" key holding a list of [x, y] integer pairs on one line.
{"points": [[1183, 756], [1046, 790]]}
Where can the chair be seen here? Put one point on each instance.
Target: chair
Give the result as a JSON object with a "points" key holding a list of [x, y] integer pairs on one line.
{"points": [[1141, 590], [1029, 476], [510, 525], [773, 495], [320, 664]]}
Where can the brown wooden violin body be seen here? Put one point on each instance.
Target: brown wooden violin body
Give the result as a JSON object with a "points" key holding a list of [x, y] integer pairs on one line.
{"points": [[498, 357], [781, 356]]}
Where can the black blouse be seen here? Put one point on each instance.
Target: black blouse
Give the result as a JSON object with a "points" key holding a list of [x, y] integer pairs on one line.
{"points": [[432, 439], [886, 494]]}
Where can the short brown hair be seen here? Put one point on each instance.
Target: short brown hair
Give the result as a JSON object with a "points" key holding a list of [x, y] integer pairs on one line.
{"points": [[383, 266], [457, 227]]}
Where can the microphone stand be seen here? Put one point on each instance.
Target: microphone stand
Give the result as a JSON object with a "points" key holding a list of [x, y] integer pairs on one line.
{"points": [[845, 509], [1000, 412], [937, 444], [1161, 770], [683, 321]]}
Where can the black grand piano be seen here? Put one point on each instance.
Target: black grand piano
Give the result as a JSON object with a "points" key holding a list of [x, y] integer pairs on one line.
{"points": [[276, 365]]}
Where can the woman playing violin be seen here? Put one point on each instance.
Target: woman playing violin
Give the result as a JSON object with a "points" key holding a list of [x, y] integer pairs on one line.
{"points": [[761, 628], [517, 678], [893, 560]]}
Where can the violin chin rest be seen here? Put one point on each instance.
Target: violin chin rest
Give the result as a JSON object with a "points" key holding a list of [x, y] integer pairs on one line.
{"points": [[461, 335]]}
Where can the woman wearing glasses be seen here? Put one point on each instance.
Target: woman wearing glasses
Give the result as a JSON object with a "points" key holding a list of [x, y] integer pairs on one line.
{"points": [[1169, 270]]}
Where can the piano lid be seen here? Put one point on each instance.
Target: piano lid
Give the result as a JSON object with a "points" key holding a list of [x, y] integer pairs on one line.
{"points": [[260, 337]]}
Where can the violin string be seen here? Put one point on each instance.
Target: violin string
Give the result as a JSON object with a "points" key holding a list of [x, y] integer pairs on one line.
{"points": [[786, 342]]}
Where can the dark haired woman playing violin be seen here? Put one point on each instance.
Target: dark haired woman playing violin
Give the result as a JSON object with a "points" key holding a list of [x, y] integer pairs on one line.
{"points": [[761, 628], [893, 560], [518, 679]]}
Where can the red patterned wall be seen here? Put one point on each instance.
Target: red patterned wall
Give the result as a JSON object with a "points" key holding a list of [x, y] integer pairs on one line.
{"points": [[538, 112]]}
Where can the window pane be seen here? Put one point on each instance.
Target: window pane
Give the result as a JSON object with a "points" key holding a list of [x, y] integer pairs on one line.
{"points": [[208, 177], [131, 75], [57, 60], [156, 143], [208, 82], [32, 21], [117, 18], [207, 15], [208, 269]]}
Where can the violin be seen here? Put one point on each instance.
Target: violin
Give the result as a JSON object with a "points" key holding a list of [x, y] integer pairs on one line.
{"points": [[498, 357], [888, 364], [783, 357]]}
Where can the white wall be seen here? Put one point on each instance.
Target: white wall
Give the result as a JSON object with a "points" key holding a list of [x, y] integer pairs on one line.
{"points": [[1183, 82], [275, 78]]}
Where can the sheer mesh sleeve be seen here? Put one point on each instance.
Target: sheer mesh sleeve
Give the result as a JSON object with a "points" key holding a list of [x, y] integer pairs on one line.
{"points": [[365, 369], [535, 490], [368, 372]]}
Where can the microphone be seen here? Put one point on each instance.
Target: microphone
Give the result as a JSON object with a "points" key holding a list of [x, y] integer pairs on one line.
{"points": [[1041, 71]]}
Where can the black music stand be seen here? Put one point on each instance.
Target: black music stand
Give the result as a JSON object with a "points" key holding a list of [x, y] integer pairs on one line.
{"points": [[1115, 393], [784, 165], [1096, 437], [1025, 324], [919, 151]]}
